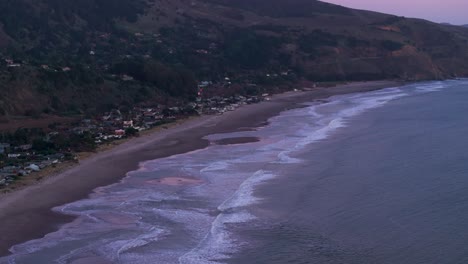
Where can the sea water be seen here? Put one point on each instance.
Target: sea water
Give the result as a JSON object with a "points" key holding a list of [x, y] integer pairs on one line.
{"points": [[376, 177]]}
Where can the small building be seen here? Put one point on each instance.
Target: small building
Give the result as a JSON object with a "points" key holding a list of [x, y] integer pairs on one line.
{"points": [[25, 147], [204, 84], [119, 132], [126, 78], [57, 156], [79, 130], [175, 110], [34, 167], [128, 124], [202, 51]]}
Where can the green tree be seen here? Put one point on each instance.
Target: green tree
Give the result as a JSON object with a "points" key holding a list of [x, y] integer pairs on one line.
{"points": [[131, 131]]}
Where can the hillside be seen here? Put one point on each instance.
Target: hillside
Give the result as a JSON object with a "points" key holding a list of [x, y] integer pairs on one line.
{"points": [[64, 56]]}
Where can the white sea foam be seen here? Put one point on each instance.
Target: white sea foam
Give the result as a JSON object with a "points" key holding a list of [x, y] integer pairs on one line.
{"points": [[216, 166], [284, 158], [244, 195], [120, 247], [230, 175], [219, 241], [430, 87]]}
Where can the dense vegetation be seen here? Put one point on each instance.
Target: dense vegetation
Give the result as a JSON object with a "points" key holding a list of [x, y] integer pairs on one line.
{"points": [[91, 55], [174, 81], [23, 19], [290, 8]]}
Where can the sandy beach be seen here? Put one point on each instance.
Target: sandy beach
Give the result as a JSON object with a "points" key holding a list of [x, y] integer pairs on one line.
{"points": [[26, 214]]}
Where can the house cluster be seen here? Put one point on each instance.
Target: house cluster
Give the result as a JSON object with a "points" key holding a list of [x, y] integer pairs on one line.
{"points": [[55, 69], [220, 105], [114, 125], [20, 161], [12, 64]]}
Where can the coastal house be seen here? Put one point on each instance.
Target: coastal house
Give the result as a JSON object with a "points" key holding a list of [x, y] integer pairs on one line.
{"points": [[202, 51], [174, 110], [79, 130], [44, 164], [53, 134], [204, 84], [149, 115], [126, 78], [150, 124], [58, 156], [25, 147], [33, 167], [127, 124], [119, 132], [191, 106]]}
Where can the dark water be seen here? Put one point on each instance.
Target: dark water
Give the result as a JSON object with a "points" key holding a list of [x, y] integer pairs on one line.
{"points": [[379, 177], [390, 188]]}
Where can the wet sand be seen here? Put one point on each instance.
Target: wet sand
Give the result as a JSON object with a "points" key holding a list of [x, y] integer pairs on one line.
{"points": [[175, 181], [235, 141], [26, 214]]}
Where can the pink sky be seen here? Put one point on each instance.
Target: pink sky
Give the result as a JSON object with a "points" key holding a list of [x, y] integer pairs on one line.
{"points": [[452, 11]]}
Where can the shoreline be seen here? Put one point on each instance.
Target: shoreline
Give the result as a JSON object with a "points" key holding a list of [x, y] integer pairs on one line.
{"points": [[46, 173], [26, 214]]}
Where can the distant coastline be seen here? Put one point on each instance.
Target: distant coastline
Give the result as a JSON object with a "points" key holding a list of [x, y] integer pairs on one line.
{"points": [[26, 214]]}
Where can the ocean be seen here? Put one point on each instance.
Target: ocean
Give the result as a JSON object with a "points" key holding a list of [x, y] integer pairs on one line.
{"points": [[375, 177]]}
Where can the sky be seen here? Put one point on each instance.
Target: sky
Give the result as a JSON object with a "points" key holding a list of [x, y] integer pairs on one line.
{"points": [[450, 11]]}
